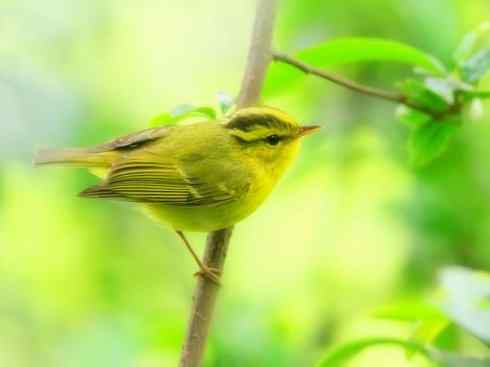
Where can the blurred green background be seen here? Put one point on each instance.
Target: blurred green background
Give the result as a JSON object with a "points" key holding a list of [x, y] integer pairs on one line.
{"points": [[352, 227]]}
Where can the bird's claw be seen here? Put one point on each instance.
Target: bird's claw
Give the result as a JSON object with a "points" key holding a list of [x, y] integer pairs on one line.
{"points": [[209, 273]]}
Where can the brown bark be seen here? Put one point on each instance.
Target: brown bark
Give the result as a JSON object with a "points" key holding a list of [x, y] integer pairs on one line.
{"points": [[205, 294]]}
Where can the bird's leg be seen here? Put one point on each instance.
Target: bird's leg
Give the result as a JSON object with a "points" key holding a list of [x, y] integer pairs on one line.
{"points": [[205, 271]]}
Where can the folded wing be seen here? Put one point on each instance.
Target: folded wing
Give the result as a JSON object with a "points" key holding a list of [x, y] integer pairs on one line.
{"points": [[158, 182]]}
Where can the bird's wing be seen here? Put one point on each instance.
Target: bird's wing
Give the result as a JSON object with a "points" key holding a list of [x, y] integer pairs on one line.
{"points": [[132, 141], [159, 182]]}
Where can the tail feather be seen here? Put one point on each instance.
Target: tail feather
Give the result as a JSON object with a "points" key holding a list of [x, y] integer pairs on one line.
{"points": [[78, 157]]}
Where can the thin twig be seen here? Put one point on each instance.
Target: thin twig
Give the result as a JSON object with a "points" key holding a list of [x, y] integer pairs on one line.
{"points": [[205, 293], [360, 88]]}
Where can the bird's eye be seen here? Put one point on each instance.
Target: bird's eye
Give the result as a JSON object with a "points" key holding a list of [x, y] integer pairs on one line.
{"points": [[273, 139]]}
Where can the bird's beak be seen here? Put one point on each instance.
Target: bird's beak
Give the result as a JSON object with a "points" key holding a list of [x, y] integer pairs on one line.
{"points": [[307, 130]]}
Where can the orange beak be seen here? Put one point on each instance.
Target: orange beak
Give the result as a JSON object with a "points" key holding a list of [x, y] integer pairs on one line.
{"points": [[307, 130]]}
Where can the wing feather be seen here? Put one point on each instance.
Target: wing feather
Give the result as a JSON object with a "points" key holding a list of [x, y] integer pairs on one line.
{"points": [[158, 182], [132, 141]]}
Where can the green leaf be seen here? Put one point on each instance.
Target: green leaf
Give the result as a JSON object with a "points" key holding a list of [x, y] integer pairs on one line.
{"points": [[444, 359], [429, 330], [410, 311], [346, 51], [350, 50], [476, 94], [183, 112], [465, 291], [429, 141], [208, 112], [469, 43], [475, 68], [447, 88], [164, 118], [431, 322], [346, 352], [411, 117], [422, 95], [279, 77]]}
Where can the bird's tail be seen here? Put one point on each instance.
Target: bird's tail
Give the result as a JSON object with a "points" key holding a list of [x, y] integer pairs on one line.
{"points": [[73, 157]]}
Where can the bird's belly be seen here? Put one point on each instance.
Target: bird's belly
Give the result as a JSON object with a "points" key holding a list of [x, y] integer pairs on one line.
{"points": [[196, 219], [206, 218]]}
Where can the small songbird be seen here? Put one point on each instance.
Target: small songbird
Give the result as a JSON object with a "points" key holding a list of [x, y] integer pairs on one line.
{"points": [[200, 177]]}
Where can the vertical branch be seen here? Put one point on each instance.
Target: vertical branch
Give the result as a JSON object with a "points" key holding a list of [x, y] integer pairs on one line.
{"points": [[259, 55], [205, 294]]}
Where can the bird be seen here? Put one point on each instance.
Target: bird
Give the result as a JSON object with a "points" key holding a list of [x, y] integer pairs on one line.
{"points": [[197, 177]]}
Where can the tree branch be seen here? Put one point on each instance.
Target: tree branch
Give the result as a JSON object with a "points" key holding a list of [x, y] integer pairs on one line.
{"points": [[205, 294], [259, 55], [360, 88]]}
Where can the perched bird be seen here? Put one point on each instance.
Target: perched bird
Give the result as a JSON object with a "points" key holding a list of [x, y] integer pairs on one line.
{"points": [[197, 177]]}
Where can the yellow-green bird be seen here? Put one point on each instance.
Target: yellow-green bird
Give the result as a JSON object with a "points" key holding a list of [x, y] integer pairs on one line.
{"points": [[201, 177]]}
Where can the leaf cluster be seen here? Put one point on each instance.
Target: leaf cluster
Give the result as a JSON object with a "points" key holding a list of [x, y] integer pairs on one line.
{"points": [[434, 102], [464, 306]]}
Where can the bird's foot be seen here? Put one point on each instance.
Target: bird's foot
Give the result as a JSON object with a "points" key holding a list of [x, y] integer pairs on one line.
{"points": [[209, 273]]}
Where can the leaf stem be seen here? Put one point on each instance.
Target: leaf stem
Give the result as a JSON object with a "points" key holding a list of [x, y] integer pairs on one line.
{"points": [[352, 85]]}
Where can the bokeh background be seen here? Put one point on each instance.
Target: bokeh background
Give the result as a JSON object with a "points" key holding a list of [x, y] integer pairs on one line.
{"points": [[352, 227]]}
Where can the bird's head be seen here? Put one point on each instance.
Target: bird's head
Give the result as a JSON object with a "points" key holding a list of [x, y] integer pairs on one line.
{"points": [[268, 134]]}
